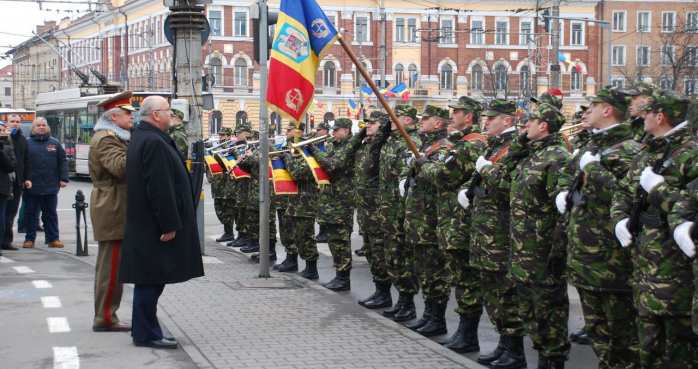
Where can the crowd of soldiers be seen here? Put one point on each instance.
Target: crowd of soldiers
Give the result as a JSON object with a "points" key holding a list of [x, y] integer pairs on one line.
{"points": [[507, 216]]}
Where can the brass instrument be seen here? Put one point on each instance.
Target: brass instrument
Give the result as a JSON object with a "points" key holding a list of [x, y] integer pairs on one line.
{"points": [[309, 142], [279, 151], [570, 131], [222, 145]]}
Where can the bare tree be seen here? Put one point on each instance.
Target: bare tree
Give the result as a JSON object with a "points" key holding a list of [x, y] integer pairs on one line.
{"points": [[678, 54]]}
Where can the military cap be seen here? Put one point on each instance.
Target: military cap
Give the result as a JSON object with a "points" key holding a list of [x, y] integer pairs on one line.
{"points": [[255, 134], [667, 102], [323, 125], [243, 127], [343, 123], [122, 100], [178, 113], [405, 110], [469, 104], [551, 115], [521, 120], [548, 98], [498, 106], [577, 117], [641, 88], [225, 131], [435, 111], [611, 95], [375, 116]]}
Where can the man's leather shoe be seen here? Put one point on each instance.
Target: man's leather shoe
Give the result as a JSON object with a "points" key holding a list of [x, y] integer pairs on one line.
{"points": [[28, 244], [9, 247], [225, 238], [161, 344], [55, 243], [118, 327]]}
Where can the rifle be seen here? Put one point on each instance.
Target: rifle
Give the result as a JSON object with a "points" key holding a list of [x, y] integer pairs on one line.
{"points": [[640, 197], [477, 177], [577, 184]]}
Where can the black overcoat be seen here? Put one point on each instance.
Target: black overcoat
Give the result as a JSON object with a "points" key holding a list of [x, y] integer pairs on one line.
{"points": [[159, 200]]}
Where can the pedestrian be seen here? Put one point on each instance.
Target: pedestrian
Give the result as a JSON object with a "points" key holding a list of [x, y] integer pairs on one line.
{"points": [[50, 173], [22, 178], [161, 240], [107, 165], [8, 165]]}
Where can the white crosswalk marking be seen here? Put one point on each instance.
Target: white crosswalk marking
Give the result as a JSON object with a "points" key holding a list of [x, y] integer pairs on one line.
{"points": [[42, 284], [5, 259], [66, 358], [23, 269], [51, 302], [58, 324]]}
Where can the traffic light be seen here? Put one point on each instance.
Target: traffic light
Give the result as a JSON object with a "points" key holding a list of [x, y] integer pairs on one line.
{"points": [[312, 122], [544, 20], [272, 18]]}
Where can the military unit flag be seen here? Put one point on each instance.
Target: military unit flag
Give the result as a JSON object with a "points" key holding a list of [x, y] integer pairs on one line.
{"points": [[283, 182]]}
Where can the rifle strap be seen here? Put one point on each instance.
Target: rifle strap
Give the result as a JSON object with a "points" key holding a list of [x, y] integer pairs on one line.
{"points": [[474, 137]]}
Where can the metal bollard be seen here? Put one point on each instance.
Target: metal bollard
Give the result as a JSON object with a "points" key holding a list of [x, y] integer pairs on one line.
{"points": [[80, 206]]}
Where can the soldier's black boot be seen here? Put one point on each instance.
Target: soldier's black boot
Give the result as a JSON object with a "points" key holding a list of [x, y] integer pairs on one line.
{"points": [[240, 241], [227, 234], [457, 335], [487, 359], [423, 320], [252, 246], [437, 323], [383, 299], [310, 271], [272, 252], [407, 311], [342, 282], [467, 341], [362, 302], [575, 336], [391, 311], [322, 234], [513, 357], [291, 263], [583, 339], [542, 361], [556, 363]]}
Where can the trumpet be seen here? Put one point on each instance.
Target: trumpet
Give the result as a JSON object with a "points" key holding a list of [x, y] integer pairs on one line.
{"points": [[310, 141], [228, 149], [571, 130], [222, 144]]}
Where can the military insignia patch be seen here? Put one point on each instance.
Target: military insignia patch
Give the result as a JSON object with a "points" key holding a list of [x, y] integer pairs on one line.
{"points": [[319, 28], [294, 99], [292, 43], [51, 148]]}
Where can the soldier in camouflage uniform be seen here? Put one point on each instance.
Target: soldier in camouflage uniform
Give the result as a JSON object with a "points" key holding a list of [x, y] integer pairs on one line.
{"points": [[178, 133], [664, 282], [448, 175], [321, 130], [546, 98], [241, 189], [639, 95], [223, 195], [537, 250], [421, 220], [600, 269], [490, 240], [366, 165], [582, 136], [335, 204], [392, 172]]}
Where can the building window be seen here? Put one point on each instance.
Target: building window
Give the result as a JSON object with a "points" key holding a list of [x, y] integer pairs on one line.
{"points": [[240, 72], [447, 31], [525, 36], [618, 82], [577, 34], [8, 91], [240, 24], [692, 21], [666, 83], [643, 21], [361, 28], [214, 17], [477, 77], [217, 69], [501, 36], [411, 30], [643, 56], [399, 74], [400, 30], [501, 77], [691, 87], [330, 75], [667, 58], [447, 77], [476, 32], [668, 21], [576, 80], [412, 70], [619, 20], [691, 56], [329, 116], [618, 55], [241, 117], [525, 78], [333, 20]]}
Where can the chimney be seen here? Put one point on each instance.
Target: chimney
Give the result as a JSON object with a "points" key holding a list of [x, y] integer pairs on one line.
{"points": [[40, 29]]}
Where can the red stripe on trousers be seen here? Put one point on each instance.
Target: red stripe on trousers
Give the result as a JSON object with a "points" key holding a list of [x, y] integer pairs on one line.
{"points": [[112, 282]]}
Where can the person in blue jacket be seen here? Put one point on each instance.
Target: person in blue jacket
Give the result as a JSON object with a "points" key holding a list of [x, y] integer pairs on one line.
{"points": [[49, 171]]}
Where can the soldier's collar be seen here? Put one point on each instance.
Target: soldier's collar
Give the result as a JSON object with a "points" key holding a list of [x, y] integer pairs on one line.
{"points": [[595, 130], [676, 129]]}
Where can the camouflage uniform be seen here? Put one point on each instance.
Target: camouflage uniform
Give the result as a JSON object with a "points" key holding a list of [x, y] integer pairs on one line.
{"points": [[543, 300], [582, 136], [548, 98], [250, 164], [223, 193], [664, 280], [179, 136], [301, 209], [392, 169], [335, 203], [600, 269], [638, 123], [241, 189], [490, 241], [421, 218]]}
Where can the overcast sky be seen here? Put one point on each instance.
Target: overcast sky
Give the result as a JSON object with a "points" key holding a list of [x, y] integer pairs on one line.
{"points": [[20, 19]]}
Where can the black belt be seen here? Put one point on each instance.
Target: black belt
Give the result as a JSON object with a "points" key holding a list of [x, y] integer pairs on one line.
{"points": [[480, 193], [652, 221], [578, 198]]}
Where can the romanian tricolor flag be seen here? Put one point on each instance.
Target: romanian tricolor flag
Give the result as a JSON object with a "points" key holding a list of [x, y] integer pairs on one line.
{"points": [[303, 35], [321, 178], [213, 165], [230, 162], [283, 183]]}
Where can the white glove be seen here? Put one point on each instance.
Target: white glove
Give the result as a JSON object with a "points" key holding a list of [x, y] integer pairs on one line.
{"points": [[411, 159], [649, 179], [463, 199], [401, 186], [575, 152], [587, 158], [623, 233], [682, 236], [561, 202], [481, 163]]}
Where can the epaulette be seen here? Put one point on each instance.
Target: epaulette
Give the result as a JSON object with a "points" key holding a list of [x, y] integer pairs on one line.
{"points": [[474, 137]]}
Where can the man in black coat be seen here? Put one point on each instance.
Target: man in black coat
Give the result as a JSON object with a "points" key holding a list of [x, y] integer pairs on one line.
{"points": [[161, 240], [22, 179]]}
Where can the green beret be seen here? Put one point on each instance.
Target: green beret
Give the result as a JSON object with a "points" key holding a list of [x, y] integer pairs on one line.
{"points": [[548, 98], [225, 131], [641, 88], [375, 116], [323, 125]]}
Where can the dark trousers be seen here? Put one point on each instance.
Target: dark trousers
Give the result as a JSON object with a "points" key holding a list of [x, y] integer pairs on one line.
{"points": [[11, 213], [145, 325], [48, 204]]}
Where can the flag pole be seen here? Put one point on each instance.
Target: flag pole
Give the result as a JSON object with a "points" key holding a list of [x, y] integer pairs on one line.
{"points": [[367, 78]]}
